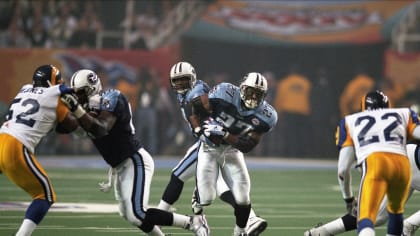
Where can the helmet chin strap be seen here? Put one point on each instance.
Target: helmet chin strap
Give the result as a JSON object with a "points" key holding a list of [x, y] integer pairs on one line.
{"points": [[49, 83]]}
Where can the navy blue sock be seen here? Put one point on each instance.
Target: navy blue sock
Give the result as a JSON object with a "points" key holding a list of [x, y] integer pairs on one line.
{"points": [[37, 210], [395, 224], [365, 223]]}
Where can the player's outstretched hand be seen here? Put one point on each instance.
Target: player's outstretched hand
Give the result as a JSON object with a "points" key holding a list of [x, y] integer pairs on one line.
{"points": [[70, 101]]}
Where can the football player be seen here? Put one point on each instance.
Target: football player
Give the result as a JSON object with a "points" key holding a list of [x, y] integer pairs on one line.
{"points": [[239, 116], [109, 124], [33, 113], [188, 89], [377, 137], [348, 222]]}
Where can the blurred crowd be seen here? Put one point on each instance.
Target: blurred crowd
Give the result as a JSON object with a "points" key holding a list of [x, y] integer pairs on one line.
{"points": [[307, 106], [77, 23]]}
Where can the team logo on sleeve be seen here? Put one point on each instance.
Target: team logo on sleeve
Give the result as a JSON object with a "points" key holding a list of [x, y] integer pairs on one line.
{"points": [[255, 121], [106, 103]]}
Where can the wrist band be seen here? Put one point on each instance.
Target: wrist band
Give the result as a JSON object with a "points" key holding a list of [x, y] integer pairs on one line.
{"points": [[79, 112]]}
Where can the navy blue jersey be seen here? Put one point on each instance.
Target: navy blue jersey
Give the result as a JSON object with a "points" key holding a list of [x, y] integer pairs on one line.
{"points": [[227, 109], [185, 100], [120, 142]]}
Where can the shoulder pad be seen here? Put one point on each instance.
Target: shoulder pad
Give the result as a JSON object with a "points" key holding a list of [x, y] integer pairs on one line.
{"points": [[109, 99], [26, 86], [198, 90], [225, 91], [269, 114], [414, 116]]}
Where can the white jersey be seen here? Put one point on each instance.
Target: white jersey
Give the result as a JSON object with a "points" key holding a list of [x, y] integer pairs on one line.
{"points": [[413, 152], [382, 130], [32, 114]]}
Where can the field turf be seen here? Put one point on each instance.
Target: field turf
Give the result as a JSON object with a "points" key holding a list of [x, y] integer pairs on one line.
{"points": [[291, 200]]}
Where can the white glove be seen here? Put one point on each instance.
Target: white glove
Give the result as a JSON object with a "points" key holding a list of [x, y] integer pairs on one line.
{"points": [[95, 102], [212, 127], [105, 187]]}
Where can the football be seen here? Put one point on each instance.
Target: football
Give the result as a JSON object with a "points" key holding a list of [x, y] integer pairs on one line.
{"points": [[216, 139]]}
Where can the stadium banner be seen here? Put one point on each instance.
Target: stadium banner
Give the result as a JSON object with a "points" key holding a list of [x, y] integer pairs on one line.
{"points": [[308, 22], [403, 69], [17, 65]]}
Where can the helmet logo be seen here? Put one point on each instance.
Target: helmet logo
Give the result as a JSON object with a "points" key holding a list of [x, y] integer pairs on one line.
{"points": [[92, 79], [40, 73], [106, 103]]}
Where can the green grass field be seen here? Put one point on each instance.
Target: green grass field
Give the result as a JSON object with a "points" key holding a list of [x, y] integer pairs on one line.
{"points": [[290, 200]]}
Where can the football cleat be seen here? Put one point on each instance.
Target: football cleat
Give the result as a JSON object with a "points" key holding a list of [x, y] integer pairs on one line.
{"points": [[239, 232], [255, 226], [197, 209], [317, 231], [198, 225], [409, 229]]}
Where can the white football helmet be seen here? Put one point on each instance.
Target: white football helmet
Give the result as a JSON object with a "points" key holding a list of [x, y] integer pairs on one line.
{"points": [[182, 77], [86, 81], [253, 89]]}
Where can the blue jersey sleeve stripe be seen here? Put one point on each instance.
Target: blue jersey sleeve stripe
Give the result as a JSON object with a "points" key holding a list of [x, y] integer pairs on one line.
{"points": [[414, 117], [342, 133]]}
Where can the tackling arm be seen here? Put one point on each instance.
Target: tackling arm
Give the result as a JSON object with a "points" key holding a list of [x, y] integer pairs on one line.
{"points": [[68, 125], [98, 126], [66, 122]]}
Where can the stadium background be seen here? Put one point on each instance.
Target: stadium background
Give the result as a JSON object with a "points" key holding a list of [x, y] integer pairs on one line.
{"points": [[319, 56]]}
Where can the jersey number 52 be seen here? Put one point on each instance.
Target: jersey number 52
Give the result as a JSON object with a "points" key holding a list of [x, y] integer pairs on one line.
{"points": [[32, 107]]}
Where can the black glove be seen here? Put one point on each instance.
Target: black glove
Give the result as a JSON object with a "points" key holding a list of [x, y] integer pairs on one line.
{"points": [[70, 101], [351, 206]]}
